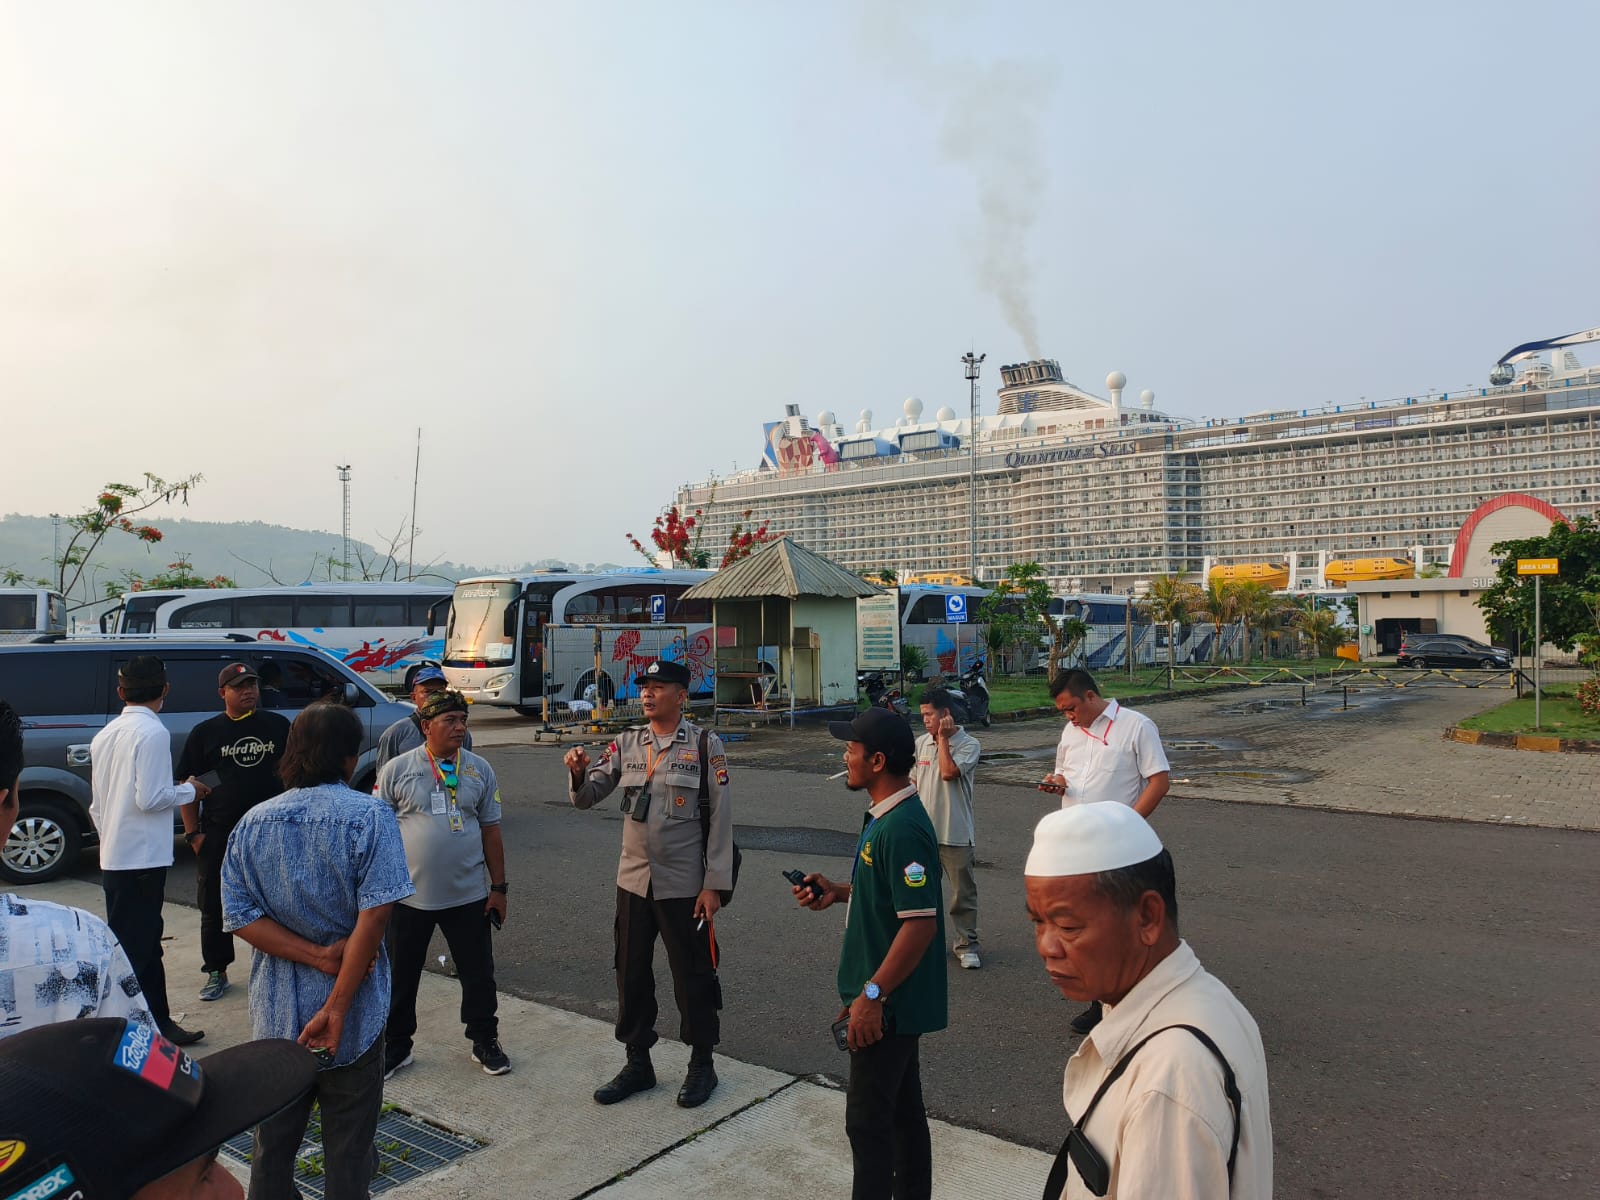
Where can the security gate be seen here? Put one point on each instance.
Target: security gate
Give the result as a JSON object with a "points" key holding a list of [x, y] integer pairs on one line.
{"points": [[589, 669]]}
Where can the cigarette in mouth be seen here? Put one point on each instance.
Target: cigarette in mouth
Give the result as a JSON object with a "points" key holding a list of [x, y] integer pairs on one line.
{"points": [[840, 775]]}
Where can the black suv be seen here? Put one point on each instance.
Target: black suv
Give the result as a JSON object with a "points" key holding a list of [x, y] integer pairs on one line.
{"points": [[66, 691], [1450, 650]]}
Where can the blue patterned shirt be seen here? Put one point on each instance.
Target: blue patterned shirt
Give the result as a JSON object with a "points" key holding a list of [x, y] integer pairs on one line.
{"points": [[60, 964], [312, 860]]}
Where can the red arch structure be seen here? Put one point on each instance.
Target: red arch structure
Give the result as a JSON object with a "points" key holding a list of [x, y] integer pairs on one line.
{"points": [[1544, 508]]}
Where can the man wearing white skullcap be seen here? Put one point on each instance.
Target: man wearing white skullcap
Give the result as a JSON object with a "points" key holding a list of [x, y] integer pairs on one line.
{"points": [[1168, 1094]]}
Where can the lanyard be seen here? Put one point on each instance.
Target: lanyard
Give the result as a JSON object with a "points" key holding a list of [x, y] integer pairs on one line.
{"points": [[653, 757], [1104, 741], [445, 776]]}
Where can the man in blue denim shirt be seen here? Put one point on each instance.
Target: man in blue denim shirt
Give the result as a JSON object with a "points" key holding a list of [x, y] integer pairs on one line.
{"points": [[308, 881]]}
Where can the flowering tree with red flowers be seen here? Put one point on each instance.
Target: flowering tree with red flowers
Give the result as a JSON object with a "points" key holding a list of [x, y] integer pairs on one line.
{"points": [[743, 541], [676, 536], [180, 574], [114, 511]]}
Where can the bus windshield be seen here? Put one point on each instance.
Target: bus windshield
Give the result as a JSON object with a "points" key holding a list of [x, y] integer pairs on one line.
{"points": [[477, 629]]}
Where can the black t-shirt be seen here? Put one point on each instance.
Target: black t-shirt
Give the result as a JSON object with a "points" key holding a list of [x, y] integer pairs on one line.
{"points": [[244, 753]]}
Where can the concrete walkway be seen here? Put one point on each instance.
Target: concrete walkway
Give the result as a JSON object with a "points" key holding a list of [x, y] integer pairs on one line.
{"points": [[763, 1133]]}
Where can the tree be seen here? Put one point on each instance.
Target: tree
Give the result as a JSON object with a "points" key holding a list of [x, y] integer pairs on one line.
{"points": [[1254, 604], [1564, 613], [884, 576], [1017, 609], [113, 512], [676, 536], [1320, 627], [742, 542], [180, 574], [1172, 600], [1218, 604]]}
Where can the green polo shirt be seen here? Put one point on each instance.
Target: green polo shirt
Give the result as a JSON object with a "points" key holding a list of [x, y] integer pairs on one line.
{"points": [[895, 877]]}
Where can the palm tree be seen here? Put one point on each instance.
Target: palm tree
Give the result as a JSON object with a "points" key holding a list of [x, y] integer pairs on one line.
{"points": [[1254, 603], [1172, 600], [1218, 603], [1320, 626]]}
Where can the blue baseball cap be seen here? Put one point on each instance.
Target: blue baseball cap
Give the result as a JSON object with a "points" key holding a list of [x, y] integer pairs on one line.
{"points": [[428, 675]]}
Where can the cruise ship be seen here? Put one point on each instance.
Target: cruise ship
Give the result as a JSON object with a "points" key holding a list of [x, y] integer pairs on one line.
{"points": [[1106, 494]]}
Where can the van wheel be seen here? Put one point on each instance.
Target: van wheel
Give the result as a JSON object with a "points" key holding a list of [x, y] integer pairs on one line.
{"points": [[43, 845]]}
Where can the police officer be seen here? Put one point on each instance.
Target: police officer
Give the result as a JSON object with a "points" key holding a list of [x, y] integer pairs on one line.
{"points": [[677, 855]]}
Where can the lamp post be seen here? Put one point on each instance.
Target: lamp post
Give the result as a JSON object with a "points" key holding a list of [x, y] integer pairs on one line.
{"points": [[972, 362]]}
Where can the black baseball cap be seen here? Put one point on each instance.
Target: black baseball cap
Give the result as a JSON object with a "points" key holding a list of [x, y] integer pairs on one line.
{"points": [[236, 672], [100, 1108], [662, 671], [142, 671], [880, 731]]}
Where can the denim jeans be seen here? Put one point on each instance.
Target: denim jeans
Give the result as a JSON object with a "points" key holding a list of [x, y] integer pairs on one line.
{"points": [[350, 1098]]}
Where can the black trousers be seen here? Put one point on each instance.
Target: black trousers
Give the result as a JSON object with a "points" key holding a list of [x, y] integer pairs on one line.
{"points": [[351, 1100], [694, 979], [466, 932], [133, 910], [886, 1123], [216, 945]]}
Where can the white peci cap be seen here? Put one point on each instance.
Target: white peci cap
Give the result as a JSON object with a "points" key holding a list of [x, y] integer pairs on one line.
{"points": [[1089, 838]]}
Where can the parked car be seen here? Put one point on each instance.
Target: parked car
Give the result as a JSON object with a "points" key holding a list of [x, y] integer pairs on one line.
{"points": [[1450, 650], [66, 691]]}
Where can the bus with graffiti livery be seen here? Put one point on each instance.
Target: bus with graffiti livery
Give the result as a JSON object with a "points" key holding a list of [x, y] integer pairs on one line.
{"points": [[378, 630], [498, 646]]}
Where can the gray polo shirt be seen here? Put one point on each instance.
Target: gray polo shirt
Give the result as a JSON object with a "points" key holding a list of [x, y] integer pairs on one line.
{"points": [[447, 866], [949, 803]]}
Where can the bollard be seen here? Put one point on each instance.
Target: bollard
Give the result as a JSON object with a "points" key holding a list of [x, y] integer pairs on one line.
{"points": [[1346, 699], [1302, 695]]}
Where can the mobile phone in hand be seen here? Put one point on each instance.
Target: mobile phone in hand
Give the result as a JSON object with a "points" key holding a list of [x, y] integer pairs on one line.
{"points": [[211, 780], [841, 1032], [798, 878], [494, 918]]}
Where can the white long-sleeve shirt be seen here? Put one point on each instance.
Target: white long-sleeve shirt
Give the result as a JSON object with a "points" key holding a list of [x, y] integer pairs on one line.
{"points": [[131, 775]]}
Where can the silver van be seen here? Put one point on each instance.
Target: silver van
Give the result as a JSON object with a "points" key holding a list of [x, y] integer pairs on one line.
{"points": [[66, 691]]}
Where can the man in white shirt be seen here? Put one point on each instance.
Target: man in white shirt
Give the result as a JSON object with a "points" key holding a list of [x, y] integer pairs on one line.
{"points": [[134, 797], [947, 757], [1168, 1095], [56, 963], [1106, 753]]}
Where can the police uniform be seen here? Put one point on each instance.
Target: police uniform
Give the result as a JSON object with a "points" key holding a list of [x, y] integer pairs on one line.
{"points": [[664, 868]]}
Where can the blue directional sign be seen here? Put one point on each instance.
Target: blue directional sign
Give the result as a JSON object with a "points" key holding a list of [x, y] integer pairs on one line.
{"points": [[955, 608], [658, 609]]}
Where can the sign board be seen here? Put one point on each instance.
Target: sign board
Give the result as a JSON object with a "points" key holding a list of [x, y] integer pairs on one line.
{"points": [[878, 632], [955, 608], [1366, 629], [658, 609], [1538, 566]]}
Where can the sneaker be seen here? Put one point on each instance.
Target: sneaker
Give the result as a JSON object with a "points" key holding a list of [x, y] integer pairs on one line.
{"points": [[969, 959], [178, 1035], [394, 1058], [490, 1057], [216, 987]]}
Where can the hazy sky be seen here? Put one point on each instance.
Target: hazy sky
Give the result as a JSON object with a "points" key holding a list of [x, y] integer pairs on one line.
{"points": [[590, 248]]}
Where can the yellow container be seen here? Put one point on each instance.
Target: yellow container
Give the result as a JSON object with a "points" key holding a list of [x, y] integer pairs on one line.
{"points": [[1349, 650]]}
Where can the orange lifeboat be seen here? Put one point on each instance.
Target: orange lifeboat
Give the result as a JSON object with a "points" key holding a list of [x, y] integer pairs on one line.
{"points": [[1274, 575]]}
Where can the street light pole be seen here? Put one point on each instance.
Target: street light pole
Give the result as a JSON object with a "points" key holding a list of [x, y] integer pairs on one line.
{"points": [[973, 362]]}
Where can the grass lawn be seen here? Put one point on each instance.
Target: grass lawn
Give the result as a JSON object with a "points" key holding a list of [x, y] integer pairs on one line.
{"points": [[1010, 693], [1561, 717]]}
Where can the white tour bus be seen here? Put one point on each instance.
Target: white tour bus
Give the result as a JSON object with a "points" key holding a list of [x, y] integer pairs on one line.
{"points": [[495, 644], [26, 612], [379, 630], [950, 647]]}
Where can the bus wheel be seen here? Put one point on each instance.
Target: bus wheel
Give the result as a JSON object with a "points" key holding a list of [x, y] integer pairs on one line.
{"points": [[533, 712], [605, 691]]}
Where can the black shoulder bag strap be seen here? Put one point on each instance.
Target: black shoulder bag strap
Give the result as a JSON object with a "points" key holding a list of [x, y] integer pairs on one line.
{"points": [[1057, 1183]]}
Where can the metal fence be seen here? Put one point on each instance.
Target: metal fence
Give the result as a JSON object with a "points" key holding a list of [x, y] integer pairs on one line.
{"points": [[589, 669]]}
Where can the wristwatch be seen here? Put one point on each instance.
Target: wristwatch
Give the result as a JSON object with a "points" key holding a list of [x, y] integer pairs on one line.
{"points": [[191, 835], [499, 887], [872, 991]]}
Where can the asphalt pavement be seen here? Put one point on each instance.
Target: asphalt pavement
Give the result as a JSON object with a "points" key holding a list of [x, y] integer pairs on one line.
{"points": [[1426, 990]]}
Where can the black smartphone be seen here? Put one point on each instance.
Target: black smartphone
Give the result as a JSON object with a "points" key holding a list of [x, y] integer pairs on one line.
{"points": [[494, 918], [798, 878], [211, 779], [841, 1032]]}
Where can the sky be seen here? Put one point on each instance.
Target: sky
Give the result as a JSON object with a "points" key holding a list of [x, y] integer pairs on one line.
{"points": [[589, 248]]}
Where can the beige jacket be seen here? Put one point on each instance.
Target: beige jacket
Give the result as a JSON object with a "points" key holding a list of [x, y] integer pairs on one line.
{"points": [[662, 851]]}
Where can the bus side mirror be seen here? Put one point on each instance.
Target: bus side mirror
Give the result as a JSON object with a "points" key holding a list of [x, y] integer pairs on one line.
{"points": [[433, 614], [509, 628]]}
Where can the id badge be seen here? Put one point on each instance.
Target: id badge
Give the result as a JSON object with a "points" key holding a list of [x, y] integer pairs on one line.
{"points": [[457, 825], [441, 804]]}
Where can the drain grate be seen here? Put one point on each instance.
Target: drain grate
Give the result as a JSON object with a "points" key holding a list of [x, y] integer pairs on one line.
{"points": [[1191, 744], [406, 1146]]}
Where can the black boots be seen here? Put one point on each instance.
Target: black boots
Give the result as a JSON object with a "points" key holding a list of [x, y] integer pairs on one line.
{"points": [[701, 1080], [637, 1076]]}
